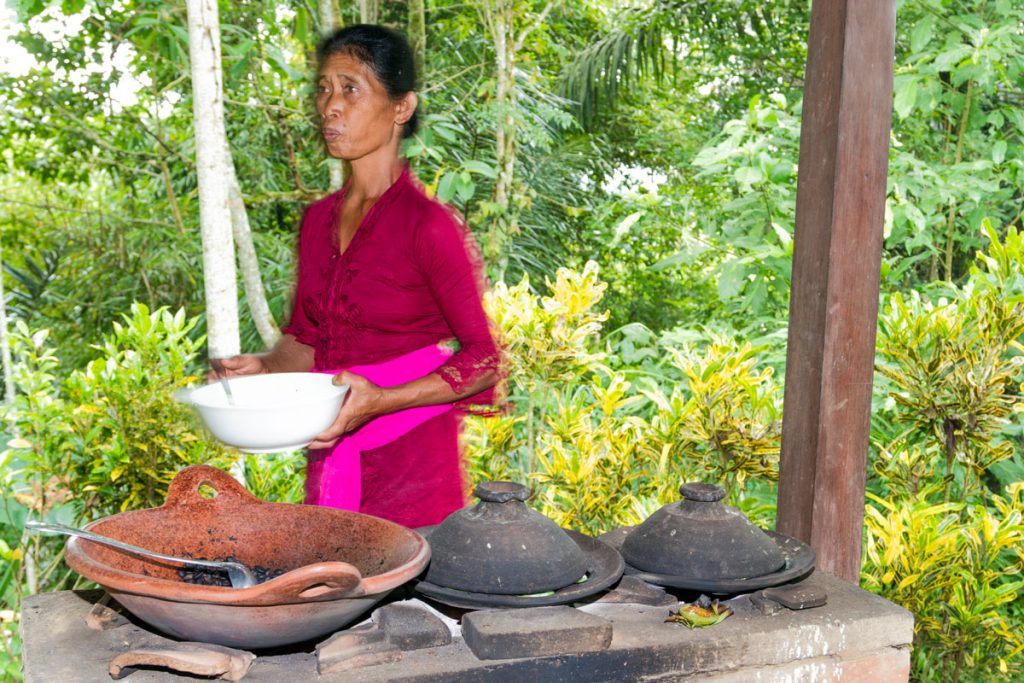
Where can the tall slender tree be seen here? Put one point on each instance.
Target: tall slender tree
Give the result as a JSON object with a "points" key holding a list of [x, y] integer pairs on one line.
{"points": [[330, 21], [369, 11], [5, 345], [214, 173], [418, 34], [499, 18], [248, 262]]}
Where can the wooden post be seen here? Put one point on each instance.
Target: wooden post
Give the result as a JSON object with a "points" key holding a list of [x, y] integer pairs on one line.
{"points": [[840, 207]]}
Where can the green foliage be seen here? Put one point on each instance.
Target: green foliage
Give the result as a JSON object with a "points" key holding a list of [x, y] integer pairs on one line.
{"points": [[754, 164], [957, 155], [111, 436], [954, 366], [939, 541], [957, 568], [731, 420], [606, 451], [276, 477]]}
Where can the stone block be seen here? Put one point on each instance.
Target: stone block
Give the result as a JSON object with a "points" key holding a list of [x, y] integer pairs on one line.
{"points": [[803, 595], [891, 665], [763, 605], [534, 632], [631, 590], [411, 628]]}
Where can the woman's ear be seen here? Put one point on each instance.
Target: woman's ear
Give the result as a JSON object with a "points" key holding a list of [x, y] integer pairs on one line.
{"points": [[405, 107]]}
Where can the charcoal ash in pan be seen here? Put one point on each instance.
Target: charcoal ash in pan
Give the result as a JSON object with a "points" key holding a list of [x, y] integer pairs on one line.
{"points": [[207, 576]]}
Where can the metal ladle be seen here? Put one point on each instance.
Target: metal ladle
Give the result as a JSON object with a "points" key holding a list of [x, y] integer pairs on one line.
{"points": [[218, 369], [238, 573]]}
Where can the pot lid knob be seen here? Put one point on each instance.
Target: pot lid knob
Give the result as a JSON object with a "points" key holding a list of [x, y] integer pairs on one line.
{"points": [[702, 492], [501, 491]]}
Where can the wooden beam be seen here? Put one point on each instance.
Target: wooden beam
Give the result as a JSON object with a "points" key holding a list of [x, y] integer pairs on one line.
{"points": [[840, 207]]}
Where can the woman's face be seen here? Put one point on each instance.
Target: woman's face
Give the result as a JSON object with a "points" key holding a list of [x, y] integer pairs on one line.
{"points": [[357, 118]]}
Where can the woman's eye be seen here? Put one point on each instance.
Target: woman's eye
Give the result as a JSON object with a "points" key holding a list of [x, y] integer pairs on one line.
{"points": [[351, 88]]}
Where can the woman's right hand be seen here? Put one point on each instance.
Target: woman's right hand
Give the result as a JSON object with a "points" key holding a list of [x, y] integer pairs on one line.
{"points": [[239, 366]]}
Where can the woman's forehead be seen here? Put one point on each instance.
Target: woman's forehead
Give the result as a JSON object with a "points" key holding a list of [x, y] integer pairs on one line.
{"points": [[346, 66]]}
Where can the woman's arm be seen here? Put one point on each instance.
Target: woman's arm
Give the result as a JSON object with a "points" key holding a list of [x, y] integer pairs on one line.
{"points": [[366, 400], [288, 355], [453, 270]]}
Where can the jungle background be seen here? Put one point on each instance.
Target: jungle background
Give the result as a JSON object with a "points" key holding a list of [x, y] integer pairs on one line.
{"points": [[629, 169]]}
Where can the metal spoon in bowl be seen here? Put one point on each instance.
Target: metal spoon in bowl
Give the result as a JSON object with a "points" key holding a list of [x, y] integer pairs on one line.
{"points": [[218, 369], [238, 573]]}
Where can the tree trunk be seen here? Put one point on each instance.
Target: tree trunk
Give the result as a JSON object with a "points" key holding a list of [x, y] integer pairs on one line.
{"points": [[214, 173], [329, 23], [499, 18], [249, 264], [5, 345], [418, 34], [369, 11], [328, 16]]}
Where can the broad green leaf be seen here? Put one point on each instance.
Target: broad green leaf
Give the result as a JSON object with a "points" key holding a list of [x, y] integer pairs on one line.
{"points": [[748, 175], [906, 95], [446, 188], [625, 226], [922, 33], [466, 188], [998, 152], [731, 279], [480, 167]]}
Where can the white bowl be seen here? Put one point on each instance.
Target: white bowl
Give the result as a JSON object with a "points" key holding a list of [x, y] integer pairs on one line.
{"points": [[275, 412]]}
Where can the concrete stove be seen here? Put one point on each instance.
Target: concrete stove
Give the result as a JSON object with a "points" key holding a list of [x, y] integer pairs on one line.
{"points": [[856, 636]]}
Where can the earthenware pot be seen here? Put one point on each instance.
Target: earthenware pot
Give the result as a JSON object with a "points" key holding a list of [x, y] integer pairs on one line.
{"points": [[700, 538], [336, 563], [501, 546]]}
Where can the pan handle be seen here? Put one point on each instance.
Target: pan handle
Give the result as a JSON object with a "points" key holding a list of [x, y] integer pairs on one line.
{"points": [[317, 582], [184, 489]]}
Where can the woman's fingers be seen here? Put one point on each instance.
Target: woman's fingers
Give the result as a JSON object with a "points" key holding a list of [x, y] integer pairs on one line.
{"points": [[361, 405], [246, 364]]}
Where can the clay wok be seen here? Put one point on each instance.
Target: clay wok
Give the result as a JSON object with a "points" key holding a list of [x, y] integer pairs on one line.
{"points": [[337, 564]]}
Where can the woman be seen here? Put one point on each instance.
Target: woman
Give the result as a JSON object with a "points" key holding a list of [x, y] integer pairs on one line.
{"points": [[388, 296]]}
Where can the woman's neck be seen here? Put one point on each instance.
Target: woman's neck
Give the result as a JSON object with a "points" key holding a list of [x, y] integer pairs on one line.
{"points": [[373, 175]]}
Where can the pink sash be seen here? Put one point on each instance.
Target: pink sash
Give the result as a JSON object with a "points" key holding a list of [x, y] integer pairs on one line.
{"points": [[333, 477]]}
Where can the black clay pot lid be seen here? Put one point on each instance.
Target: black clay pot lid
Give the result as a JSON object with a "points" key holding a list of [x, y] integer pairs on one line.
{"points": [[501, 546], [604, 569], [699, 538], [799, 563]]}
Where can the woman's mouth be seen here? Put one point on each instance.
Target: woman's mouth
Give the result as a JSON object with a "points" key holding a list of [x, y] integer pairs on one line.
{"points": [[330, 134]]}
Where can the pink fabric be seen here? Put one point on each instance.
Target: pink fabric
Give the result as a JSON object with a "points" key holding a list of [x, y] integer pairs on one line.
{"points": [[333, 475]]}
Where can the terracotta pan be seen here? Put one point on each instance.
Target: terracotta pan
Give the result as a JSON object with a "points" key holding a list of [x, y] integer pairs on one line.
{"points": [[337, 563]]}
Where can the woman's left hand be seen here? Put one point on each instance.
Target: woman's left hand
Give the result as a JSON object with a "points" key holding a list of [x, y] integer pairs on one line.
{"points": [[363, 402]]}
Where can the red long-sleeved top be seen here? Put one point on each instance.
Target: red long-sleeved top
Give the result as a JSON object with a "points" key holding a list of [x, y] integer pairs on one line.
{"points": [[412, 276]]}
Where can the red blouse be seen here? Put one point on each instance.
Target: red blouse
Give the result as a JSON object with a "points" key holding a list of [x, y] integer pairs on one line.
{"points": [[411, 276]]}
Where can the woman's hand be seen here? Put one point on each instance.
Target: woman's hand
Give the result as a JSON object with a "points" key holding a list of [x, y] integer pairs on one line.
{"points": [[363, 402], [239, 366]]}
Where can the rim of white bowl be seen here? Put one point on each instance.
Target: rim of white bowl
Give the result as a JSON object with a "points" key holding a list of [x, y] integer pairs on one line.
{"points": [[338, 390]]}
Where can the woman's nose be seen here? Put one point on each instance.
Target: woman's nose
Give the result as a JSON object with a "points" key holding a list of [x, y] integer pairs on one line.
{"points": [[331, 106]]}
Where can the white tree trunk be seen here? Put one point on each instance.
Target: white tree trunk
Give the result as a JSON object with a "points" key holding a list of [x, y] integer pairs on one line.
{"points": [[249, 264], [418, 35], [5, 343], [329, 23], [214, 172], [369, 11]]}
